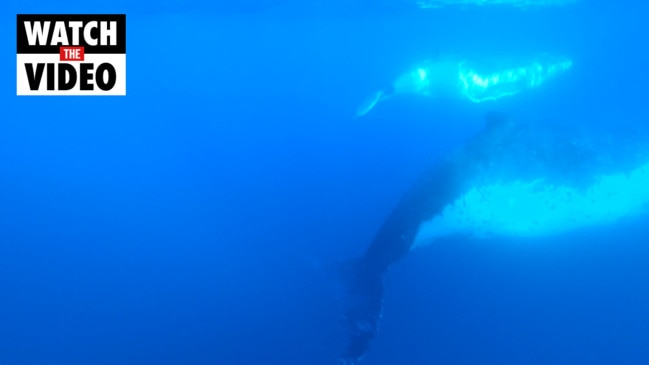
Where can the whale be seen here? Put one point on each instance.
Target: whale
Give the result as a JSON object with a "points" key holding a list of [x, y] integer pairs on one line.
{"points": [[515, 179], [434, 4], [474, 81]]}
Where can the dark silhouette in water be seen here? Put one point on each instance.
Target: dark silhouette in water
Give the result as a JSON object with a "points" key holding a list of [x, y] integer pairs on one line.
{"points": [[391, 243], [502, 150]]}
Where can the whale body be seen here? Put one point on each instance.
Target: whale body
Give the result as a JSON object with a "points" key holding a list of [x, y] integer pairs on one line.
{"points": [[476, 82], [432, 4], [512, 179]]}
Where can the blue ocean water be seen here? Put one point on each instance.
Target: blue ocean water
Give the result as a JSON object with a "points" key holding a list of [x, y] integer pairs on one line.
{"points": [[188, 222]]}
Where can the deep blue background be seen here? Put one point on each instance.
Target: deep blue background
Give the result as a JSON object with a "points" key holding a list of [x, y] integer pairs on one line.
{"points": [[186, 222]]}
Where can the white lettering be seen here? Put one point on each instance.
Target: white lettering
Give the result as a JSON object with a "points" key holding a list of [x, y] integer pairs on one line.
{"points": [[75, 26], [59, 35], [38, 32], [108, 32], [86, 33]]}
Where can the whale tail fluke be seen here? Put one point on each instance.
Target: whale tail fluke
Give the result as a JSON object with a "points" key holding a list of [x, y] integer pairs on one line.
{"points": [[363, 307]]}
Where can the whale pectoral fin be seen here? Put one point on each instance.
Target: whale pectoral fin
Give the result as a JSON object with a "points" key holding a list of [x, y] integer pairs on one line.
{"points": [[369, 103], [363, 307]]}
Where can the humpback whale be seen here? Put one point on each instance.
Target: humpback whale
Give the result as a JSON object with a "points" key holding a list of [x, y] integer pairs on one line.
{"points": [[513, 178], [452, 77], [428, 4]]}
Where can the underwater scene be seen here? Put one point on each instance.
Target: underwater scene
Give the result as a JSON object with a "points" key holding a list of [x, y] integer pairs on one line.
{"points": [[341, 182]]}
